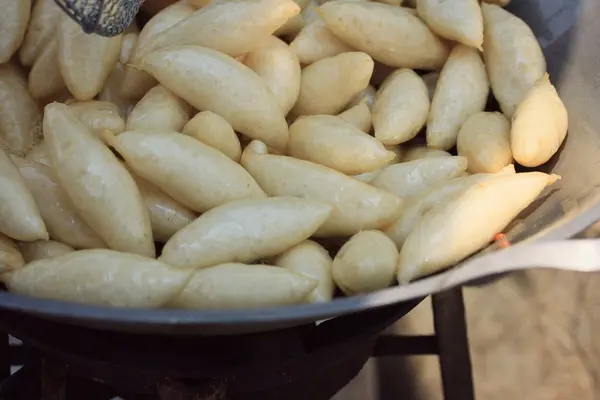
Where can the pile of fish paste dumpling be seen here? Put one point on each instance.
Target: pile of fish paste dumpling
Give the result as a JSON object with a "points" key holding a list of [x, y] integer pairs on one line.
{"points": [[247, 137]]}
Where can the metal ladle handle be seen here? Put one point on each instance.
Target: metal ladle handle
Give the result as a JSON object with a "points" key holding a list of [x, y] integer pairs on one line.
{"points": [[578, 255], [103, 17], [582, 255]]}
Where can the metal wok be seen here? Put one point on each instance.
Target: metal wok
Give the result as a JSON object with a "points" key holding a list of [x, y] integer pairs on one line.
{"points": [[569, 32]]}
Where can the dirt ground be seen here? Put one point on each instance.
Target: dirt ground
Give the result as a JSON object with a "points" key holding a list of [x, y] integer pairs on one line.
{"points": [[532, 335]]}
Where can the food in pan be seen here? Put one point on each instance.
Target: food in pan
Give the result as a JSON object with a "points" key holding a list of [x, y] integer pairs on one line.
{"points": [[253, 141]]}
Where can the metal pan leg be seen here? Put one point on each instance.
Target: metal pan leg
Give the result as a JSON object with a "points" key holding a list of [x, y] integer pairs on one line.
{"points": [[454, 356]]}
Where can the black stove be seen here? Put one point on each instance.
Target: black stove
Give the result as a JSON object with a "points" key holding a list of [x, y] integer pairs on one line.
{"points": [[65, 362]]}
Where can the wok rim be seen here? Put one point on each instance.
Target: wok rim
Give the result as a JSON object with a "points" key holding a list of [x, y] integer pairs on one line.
{"points": [[80, 314]]}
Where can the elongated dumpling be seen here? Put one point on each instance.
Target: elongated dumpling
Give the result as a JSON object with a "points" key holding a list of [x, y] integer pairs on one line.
{"points": [[485, 140], [167, 216], [418, 152], [85, 60], [100, 277], [100, 188], [233, 27], [368, 177], [98, 116], [240, 286], [315, 42], [295, 24], [390, 34], [454, 230], [130, 38], [367, 95], [241, 96], [196, 175], [10, 256], [159, 109], [13, 20], [215, 131], [313, 261], [398, 151], [461, 91], [356, 205], [539, 125], [358, 116], [43, 249], [409, 178], [135, 82], [333, 142], [111, 92], [45, 78], [42, 26], [20, 218], [458, 20], [62, 220], [431, 79], [20, 116], [329, 84], [417, 206], [401, 107], [365, 263], [512, 55], [280, 69], [245, 231]]}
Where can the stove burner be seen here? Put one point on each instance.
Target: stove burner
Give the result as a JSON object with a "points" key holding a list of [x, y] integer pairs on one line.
{"points": [[63, 362]]}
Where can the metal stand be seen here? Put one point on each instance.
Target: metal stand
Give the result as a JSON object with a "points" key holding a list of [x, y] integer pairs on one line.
{"points": [[450, 343], [452, 338], [49, 380], [4, 356]]}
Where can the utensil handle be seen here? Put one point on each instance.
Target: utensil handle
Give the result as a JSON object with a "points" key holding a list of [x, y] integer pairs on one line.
{"points": [[580, 255]]}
